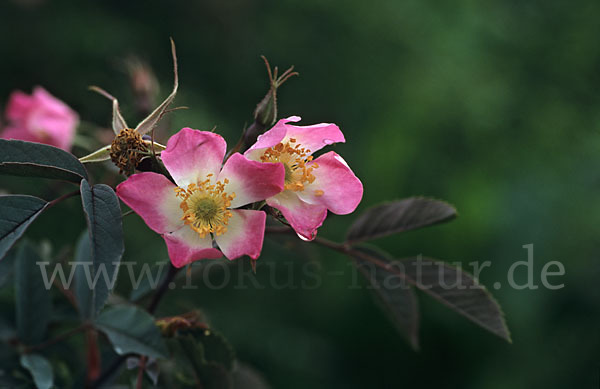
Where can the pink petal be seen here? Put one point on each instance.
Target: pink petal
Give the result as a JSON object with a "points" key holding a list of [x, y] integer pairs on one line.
{"points": [[245, 234], [18, 106], [335, 186], [20, 133], [251, 181], [46, 118], [152, 196], [191, 155], [315, 137], [186, 246], [51, 105], [270, 138], [304, 218], [56, 131]]}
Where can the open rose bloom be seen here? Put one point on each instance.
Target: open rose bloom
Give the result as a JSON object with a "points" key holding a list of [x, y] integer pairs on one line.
{"points": [[204, 204], [311, 186], [40, 118]]}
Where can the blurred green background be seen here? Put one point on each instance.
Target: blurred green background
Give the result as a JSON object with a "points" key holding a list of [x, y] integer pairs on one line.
{"points": [[492, 106]]}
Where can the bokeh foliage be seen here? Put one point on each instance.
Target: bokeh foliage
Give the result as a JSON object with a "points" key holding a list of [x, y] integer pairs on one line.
{"points": [[492, 106]]}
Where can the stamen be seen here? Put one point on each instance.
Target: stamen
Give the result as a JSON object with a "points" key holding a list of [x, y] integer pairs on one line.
{"points": [[205, 206], [125, 150], [294, 158]]}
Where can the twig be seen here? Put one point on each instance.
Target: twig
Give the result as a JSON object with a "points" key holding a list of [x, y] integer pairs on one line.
{"points": [[63, 197], [110, 371], [162, 289], [59, 338], [140, 376]]}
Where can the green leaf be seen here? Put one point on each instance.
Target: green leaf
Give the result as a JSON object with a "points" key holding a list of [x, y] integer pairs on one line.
{"points": [[16, 214], [132, 330], [105, 247], [399, 216], [83, 293], [40, 370], [30, 159], [447, 284], [7, 267], [396, 298], [33, 302]]}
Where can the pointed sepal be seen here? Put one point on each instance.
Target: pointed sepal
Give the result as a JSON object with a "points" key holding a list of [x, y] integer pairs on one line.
{"points": [[152, 120]]}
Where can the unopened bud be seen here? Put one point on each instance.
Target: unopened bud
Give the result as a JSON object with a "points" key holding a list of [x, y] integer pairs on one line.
{"points": [[144, 85], [265, 114]]}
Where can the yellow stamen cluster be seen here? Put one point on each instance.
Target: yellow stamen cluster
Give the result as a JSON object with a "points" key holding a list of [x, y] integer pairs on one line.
{"points": [[294, 158], [206, 206]]}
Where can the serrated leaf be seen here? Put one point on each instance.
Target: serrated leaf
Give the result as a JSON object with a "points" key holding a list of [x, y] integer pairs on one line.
{"points": [[103, 154], [132, 330], [399, 216], [106, 247], [16, 214], [33, 302], [151, 121], [40, 369], [449, 285], [30, 159], [396, 298]]}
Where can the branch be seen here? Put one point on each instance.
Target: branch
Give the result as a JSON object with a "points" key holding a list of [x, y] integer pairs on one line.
{"points": [[162, 289], [59, 338]]}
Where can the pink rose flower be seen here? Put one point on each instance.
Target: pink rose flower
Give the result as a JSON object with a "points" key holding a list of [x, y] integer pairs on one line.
{"points": [[206, 200], [311, 187], [40, 118]]}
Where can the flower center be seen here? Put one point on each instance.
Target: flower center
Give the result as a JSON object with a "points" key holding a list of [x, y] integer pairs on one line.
{"points": [[206, 206], [125, 150], [294, 158]]}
